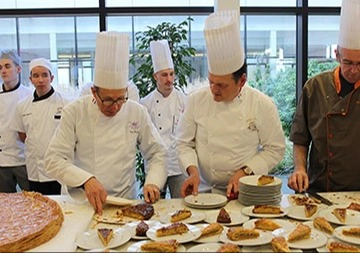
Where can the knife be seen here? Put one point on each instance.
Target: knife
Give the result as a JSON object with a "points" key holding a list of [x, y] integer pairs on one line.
{"points": [[317, 196]]}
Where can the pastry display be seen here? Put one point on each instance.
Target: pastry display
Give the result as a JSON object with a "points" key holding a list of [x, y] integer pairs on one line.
{"points": [[180, 215], [173, 229], [354, 206], [28, 219], [340, 214], [240, 233], [142, 211], [352, 232], [267, 209], [266, 224], [323, 225], [279, 244], [212, 229], [105, 235], [160, 246], [223, 216], [301, 232], [228, 247], [310, 209], [341, 247], [141, 228], [265, 180]]}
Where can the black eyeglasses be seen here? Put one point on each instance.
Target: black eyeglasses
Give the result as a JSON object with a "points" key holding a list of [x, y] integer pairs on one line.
{"points": [[110, 102]]}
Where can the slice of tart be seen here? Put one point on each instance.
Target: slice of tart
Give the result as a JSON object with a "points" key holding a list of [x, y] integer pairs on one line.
{"points": [[212, 229], [142, 211], [265, 180], [279, 244], [323, 225], [341, 247], [354, 206], [228, 247], [301, 232], [240, 233], [266, 224], [267, 209], [310, 209], [340, 214], [173, 229], [160, 246], [355, 232], [180, 215], [105, 235], [223, 216], [141, 228]]}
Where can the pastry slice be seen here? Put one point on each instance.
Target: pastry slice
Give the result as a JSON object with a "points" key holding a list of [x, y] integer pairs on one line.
{"points": [[267, 209], [173, 229], [301, 232], [223, 216], [105, 235], [310, 209], [355, 232], [160, 246], [180, 215], [141, 228], [240, 233], [266, 224], [301, 200], [354, 206], [341, 247], [228, 247], [323, 225], [142, 211], [279, 244], [212, 229], [340, 214], [265, 179]]}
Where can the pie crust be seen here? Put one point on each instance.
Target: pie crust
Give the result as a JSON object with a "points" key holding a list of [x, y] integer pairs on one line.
{"points": [[28, 219], [240, 233], [301, 200], [180, 215], [355, 232], [354, 206], [340, 214], [173, 229], [341, 247], [265, 179], [323, 225], [301, 232], [267, 209], [279, 244], [105, 235], [160, 246], [310, 210], [228, 247], [266, 224], [142, 211], [212, 229]]}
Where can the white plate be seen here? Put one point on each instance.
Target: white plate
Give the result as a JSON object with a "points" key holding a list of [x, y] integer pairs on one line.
{"points": [[194, 218], [352, 217], [132, 228], [90, 239], [136, 247], [265, 248], [317, 239], [209, 239], [283, 223], [350, 239], [298, 213], [325, 249], [205, 247], [248, 211], [237, 218], [263, 238], [253, 181], [205, 200], [311, 225], [193, 233], [118, 201], [101, 250]]}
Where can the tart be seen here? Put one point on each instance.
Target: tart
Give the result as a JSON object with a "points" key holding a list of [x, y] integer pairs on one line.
{"points": [[160, 246], [142, 211], [267, 209], [341, 247], [180, 215], [266, 224], [301, 200], [355, 232], [301, 232], [228, 247], [223, 216], [323, 225], [310, 210], [173, 229], [340, 214], [240, 233], [212, 229], [265, 179], [141, 228], [354, 206], [105, 235], [279, 244]]}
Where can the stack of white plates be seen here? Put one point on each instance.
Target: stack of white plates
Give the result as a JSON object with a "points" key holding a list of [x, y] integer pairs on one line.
{"points": [[250, 193], [205, 200]]}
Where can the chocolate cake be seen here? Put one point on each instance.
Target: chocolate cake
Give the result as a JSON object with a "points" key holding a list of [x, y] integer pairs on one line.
{"points": [[223, 216], [141, 211], [141, 228]]}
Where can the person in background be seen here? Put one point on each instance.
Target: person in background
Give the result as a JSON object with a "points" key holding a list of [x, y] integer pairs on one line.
{"points": [[12, 157], [165, 104], [228, 130], [94, 147], [327, 118], [36, 118]]}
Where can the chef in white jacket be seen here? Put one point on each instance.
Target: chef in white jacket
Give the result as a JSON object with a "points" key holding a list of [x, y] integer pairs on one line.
{"points": [[96, 142], [228, 130], [165, 105]]}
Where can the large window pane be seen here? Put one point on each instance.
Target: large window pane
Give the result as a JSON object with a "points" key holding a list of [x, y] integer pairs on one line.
{"points": [[327, 3], [35, 4], [158, 3], [263, 3]]}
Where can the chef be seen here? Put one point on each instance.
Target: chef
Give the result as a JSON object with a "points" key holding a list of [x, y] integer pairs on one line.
{"points": [[229, 129], [165, 105], [95, 145]]}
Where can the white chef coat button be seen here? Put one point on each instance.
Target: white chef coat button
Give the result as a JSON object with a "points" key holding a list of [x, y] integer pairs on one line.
{"points": [[160, 128], [159, 114], [157, 101]]}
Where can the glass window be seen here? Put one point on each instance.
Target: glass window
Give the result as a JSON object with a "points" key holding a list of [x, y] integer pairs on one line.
{"points": [[158, 3], [262, 3], [327, 3], [35, 4]]}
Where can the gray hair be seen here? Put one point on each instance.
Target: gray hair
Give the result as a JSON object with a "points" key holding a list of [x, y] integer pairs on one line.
{"points": [[12, 55]]}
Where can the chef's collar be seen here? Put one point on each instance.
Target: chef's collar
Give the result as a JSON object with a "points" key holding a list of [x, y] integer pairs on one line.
{"points": [[47, 95], [4, 90]]}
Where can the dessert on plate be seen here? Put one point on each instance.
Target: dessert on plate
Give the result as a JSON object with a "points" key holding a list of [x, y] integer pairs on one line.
{"points": [[301, 232], [279, 244], [141, 228], [310, 209], [228, 247], [160, 246], [354, 206], [240, 233], [142, 211], [355, 232], [340, 214], [341, 247], [267, 209], [173, 229], [180, 215], [223, 216], [105, 235], [212, 229], [266, 224], [323, 225], [265, 180]]}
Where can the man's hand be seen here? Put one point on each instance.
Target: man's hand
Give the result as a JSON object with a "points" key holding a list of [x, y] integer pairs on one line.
{"points": [[191, 184], [96, 194], [299, 180], [151, 193], [232, 190]]}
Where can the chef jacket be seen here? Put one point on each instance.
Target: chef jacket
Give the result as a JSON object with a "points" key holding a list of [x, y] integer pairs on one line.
{"points": [[87, 143], [11, 147], [331, 125], [220, 138], [38, 118], [165, 113]]}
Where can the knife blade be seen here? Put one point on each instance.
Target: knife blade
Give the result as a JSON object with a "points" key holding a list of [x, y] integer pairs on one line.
{"points": [[319, 197]]}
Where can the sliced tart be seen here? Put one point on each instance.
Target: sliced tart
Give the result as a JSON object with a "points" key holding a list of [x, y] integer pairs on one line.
{"points": [[173, 229], [180, 215], [341, 247], [160, 246], [301, 232], [340, 214], [265, 180], [105, 235], [323, 225], [310, 209], [240, 233], [266, 224], [223, 216], [279, 244], [355, 232], [354, 206], [212, 229], [267, 209], [228, 247], [141, 228]]}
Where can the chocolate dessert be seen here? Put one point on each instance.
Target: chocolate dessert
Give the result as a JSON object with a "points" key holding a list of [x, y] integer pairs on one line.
{"points": [[141, 228]]}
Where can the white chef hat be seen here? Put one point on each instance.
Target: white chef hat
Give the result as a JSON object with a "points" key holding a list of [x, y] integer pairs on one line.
{"points": [[40, 62], [225, 54], [161, 55], [111, 60], [349, 33]]}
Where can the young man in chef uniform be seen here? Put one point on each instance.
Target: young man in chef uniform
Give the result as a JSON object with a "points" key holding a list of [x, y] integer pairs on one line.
{"points": [[95, 145], [165, 104], [228, 130]]}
